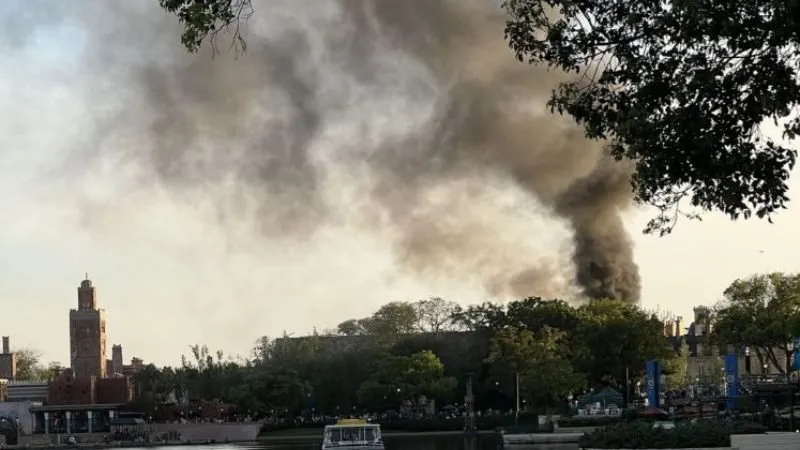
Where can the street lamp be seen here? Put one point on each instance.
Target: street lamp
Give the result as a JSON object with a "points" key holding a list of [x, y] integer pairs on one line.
{"points": [[747, 360], [569, 400]]}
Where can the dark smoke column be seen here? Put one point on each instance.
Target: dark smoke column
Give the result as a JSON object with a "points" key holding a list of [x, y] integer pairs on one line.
{"points": [[603, 253]]}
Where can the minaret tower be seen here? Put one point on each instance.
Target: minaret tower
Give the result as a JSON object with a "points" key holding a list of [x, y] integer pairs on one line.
{"points": [[87, 334]]}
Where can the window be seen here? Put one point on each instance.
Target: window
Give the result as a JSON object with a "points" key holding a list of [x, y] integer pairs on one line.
{"points": [[335, 435], [351, 434]]}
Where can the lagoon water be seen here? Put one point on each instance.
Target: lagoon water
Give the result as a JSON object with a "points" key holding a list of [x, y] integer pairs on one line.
{"points": [[392, 443]]}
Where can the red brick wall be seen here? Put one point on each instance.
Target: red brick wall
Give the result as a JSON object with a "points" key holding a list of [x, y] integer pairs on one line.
{"points": [[114, 390], [66, 390]]}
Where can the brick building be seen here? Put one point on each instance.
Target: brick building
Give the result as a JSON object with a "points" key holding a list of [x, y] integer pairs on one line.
{"points": [[68, 389], [87, 335], [117, 389], [116, 366]]}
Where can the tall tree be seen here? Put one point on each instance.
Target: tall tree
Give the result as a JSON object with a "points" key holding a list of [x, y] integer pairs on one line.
{"points": [[351, 327], [487, 316], [406, 378], [534, 313], [679, 87], [435, 314], [760, 312], [616, 338], [393, 319], [29, 366], [545, 376]]}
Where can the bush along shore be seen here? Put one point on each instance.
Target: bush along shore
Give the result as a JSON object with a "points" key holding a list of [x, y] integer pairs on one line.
{"points": [[589, 421], [643, 434]]}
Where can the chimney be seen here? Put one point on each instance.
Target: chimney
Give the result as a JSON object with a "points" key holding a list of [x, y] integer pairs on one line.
{"points": [[6, 345], [678, 330]]}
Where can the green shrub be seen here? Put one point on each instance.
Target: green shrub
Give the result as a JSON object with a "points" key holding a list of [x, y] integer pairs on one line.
{"points": [[589, 421], [642, 434]]}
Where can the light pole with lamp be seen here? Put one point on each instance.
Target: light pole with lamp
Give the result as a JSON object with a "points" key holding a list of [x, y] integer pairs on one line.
{"points": [[789, 351], [724, 383], [696, 387], [747, 361], [516, 396]]}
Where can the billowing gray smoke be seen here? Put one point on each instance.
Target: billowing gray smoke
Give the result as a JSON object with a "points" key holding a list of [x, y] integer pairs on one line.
{"points": [[263, 123]]}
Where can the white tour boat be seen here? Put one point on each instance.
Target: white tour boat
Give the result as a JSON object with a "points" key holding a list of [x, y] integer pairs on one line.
{"points": [[352, 434]]}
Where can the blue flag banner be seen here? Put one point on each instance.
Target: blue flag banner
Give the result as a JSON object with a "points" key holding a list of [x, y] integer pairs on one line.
{"points": [[731, 380], [796, 354], [653, 380]]}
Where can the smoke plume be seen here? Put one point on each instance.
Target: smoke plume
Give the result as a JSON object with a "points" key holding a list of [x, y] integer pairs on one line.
{"points": [[398, 118]]}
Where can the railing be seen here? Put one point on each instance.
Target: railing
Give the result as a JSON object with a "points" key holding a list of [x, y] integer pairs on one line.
{"points": [[753, 380]]}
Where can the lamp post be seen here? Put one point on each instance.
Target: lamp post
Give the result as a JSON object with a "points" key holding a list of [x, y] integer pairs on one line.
{"points": [[789, 349], [697, 386], [516, 398], [724, 383], [747, 360]]}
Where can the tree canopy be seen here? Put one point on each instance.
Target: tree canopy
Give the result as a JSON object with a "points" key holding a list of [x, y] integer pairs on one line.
{"points": [[406, 350], [31, 368], [679, 87], [760, 312]]}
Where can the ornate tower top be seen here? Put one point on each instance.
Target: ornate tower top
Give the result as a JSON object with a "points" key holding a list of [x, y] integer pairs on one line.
{"points": [[87, 299]]}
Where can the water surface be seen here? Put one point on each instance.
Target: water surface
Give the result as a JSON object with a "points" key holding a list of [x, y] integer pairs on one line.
{"points": [[392, 443]]}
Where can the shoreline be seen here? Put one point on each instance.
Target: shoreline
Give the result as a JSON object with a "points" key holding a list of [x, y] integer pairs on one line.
{"points": [[317, 434], [311, 435], [294, 434]]}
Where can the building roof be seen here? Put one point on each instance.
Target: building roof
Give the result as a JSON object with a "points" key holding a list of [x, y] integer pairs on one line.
{"points": [[91, 407]]}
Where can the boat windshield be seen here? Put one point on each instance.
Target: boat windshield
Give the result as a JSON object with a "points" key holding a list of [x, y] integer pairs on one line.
{"points": [[352, 434]]}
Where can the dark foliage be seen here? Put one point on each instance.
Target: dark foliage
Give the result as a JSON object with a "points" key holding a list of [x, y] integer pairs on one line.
{"points": [[681, 87], [642, 434]]}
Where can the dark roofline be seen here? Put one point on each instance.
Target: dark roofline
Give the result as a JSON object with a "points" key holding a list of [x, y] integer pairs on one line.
{"points": [[91, 407]]}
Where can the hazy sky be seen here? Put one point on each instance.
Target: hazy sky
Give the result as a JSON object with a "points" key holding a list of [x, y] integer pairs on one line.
{"points": [[169, 275]]}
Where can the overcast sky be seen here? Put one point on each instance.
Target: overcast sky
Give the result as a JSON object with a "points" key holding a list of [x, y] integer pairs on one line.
{"points": [[169, 274]]}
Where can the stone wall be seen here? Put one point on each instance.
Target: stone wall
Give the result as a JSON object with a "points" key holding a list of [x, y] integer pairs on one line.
{"points": [[219, 432], [769, 441], [699, 448]]}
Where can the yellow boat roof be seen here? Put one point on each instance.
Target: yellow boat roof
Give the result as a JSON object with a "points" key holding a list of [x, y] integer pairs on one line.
{"points": [[353, 423]]}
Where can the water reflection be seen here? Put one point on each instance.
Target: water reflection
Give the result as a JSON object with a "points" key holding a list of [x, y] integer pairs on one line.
{"points": [[393, 443]]}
